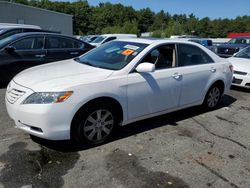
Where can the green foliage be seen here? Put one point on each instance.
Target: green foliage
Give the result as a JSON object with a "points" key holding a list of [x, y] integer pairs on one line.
{"points": [[128, 27], [117, 18]]}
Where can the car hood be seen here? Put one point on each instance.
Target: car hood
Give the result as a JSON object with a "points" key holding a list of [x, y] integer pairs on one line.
{"points": [[240, 64], [59, 75], [233, 45]]}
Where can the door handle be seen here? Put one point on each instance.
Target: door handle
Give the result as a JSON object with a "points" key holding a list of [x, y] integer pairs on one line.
{"points": [[74, 53], [213, 70], [177, 76], [40, 55]]}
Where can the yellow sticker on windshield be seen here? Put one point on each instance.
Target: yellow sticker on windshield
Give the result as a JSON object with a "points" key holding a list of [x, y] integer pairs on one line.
{"points": [[128, 52]]}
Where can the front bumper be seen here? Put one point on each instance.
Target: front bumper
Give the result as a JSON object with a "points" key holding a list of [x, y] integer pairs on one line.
{"points": [[48, 121], [241, 80]]}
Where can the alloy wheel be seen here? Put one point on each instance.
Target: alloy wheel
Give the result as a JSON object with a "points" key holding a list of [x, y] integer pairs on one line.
{"points": [[98, 125], [213, 97]]}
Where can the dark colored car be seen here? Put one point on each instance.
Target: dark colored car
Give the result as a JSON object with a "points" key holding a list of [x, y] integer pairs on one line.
{"points": [[208, 43], [233, 46], [6, 32], [24, 50]]}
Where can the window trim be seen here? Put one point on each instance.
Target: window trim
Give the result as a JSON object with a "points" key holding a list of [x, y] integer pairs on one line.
{"points": [[29, 36], [133, 70], [177, 64]]}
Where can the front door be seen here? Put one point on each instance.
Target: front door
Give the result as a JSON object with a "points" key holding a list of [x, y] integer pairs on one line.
{"points": [[157, 91], [26, 53]]}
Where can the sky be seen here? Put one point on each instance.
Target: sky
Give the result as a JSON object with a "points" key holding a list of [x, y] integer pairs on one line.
{"points": [[200, 8]]}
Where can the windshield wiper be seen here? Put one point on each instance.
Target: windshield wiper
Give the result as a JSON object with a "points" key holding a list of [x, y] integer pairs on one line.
{"points": [[84, 62], [77, 59]]}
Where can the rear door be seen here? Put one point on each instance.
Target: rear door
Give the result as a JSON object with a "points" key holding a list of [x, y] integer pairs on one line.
{"points": [[28, 52], [60, 48], [196, 68]]}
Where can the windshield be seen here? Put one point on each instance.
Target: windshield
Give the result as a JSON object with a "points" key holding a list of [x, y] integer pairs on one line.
{"points": [[245, 53], [114, 55], [239, 41], [98, 39], [6, 40]]}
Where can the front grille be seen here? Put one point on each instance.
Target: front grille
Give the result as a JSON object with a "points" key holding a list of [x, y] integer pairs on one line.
{"points": [[240, 73], [14, 94], [230, 51]]}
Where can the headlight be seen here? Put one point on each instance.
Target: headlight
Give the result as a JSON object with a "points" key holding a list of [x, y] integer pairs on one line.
{"points": [[47, 97]]}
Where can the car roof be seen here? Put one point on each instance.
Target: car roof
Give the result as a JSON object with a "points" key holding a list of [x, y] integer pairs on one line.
{"points": [[154, 40], [20, 35], [119, 34], [39, 33]]}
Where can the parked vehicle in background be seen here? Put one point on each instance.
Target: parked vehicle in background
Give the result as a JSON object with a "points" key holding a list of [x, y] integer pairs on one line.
{"points": [[8, 29], [241, 63], [101, 39], [233, 46], [88, 38], [208, 43], [25, 50], [11, 25], [6, 32], [120, 82]]}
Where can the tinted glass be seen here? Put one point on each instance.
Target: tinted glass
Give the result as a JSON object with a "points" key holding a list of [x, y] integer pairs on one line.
{"points": [[192, 55], [54, 42], [29, 43], [240, 41], [109, 39], [114, 55], [245, 53], [99, 39]]}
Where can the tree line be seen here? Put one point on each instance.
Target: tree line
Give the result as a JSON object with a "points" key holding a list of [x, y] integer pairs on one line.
{"points": [[117, 18]]}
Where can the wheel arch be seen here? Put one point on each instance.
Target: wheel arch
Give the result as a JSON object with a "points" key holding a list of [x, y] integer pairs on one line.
{"points": [[218, 82], [110, 100]]}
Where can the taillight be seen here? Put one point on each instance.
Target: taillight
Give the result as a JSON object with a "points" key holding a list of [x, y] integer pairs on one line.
{"points": [[231, 67]]}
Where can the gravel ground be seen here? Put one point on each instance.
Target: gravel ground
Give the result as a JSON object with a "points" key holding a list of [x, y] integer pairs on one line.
{"points": [[188, 148]]}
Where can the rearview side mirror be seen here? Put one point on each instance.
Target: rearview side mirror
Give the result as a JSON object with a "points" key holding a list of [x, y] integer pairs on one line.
{"points": [[9, 49], [145, 67]]}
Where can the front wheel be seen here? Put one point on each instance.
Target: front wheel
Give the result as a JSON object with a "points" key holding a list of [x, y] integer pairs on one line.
{"points": [[94, 124], [213, 97]]}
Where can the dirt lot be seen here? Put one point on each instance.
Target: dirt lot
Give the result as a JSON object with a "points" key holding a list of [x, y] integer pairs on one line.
{"points": [[188, 148]]}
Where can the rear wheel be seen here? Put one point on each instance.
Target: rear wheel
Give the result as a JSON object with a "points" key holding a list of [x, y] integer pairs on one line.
{"points": [[94, 124], [213, 97]]}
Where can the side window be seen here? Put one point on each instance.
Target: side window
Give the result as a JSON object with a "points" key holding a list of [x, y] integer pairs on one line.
{"points": [[192, 55], [31, 43], [61, 42], [78, 44], [109, 39], [162, 57]]}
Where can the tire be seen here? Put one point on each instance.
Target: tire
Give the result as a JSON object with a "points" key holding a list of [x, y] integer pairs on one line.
{"points": [[94, 124], [213, 97]]}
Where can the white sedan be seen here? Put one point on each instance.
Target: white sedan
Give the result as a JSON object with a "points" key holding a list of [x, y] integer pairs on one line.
{"points": [[118, 83], [241, 63]]}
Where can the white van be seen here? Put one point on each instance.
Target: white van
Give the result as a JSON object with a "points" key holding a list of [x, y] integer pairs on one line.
{"points": [[109, 37]]}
